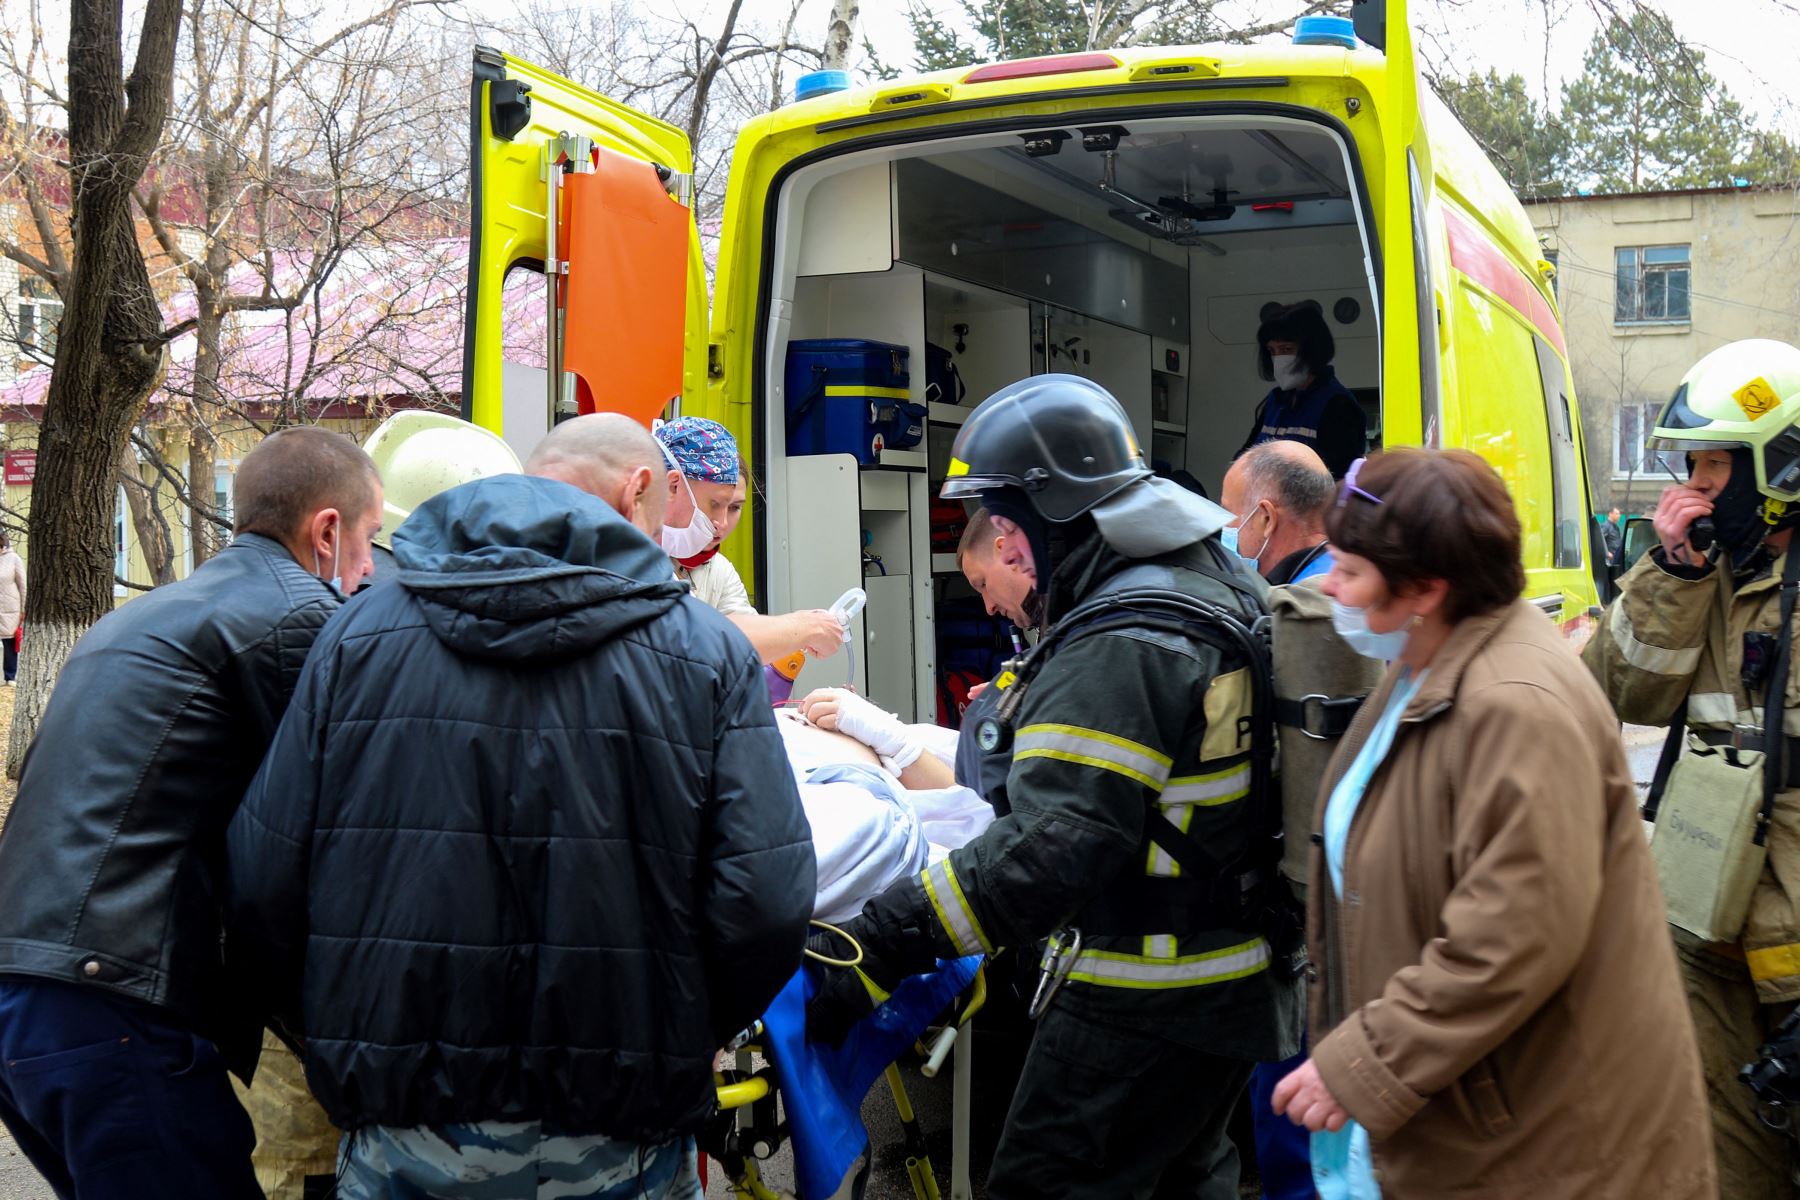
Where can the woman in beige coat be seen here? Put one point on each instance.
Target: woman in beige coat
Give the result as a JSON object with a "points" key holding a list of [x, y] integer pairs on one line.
{"points": [[12, 603], [1495, 1008]]}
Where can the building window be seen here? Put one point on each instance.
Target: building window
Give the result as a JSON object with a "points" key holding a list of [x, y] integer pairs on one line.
{"points": [[1652, 284], [221, 497], [40, 309], [121, 548], [1633, 457]]}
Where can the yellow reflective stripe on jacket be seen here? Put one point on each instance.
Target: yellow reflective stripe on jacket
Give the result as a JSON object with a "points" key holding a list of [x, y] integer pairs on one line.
{"points": [[1219, 787], [953, 910], [1774, 962], [1107, 969], [1161, 865], [1659, 660], [1094, 748]]}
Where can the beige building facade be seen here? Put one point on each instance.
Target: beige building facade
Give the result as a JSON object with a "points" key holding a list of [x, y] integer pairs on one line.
{"points": [[1650, 282]]}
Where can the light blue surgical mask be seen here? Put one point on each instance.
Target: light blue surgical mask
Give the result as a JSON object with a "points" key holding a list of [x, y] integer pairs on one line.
{"points": [[1229, 536], [1352, 624]]}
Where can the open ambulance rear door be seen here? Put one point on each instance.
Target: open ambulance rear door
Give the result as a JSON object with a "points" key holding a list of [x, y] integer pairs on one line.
{"points": [[1410, 382], [586, 290]]}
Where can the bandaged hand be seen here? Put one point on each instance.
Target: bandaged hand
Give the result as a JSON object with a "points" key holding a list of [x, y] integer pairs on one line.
{"points": [[851, 715]]}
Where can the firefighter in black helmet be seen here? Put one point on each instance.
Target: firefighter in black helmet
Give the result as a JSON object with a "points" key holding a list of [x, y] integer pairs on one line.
{"points": [[1128, 814]]}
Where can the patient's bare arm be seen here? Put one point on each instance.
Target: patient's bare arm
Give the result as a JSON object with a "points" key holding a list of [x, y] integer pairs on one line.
{"points": [[835, 709]]}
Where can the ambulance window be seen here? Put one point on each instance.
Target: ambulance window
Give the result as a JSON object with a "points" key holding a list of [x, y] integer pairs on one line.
{"points": [[1426, 298], [524, 403], [1566, 483], [522, 320]]}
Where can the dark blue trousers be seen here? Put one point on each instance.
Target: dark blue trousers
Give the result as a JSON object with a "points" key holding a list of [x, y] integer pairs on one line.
{"points": [[113, 1099], [1283, 1149]]}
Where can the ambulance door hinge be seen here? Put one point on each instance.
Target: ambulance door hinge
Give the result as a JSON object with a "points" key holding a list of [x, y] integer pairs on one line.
{"points": [[715, 360], [679, 186], [569, 152]]}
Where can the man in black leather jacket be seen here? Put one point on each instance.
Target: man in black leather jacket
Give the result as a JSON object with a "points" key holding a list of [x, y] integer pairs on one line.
{"points": [[526, 850], [118, 1016]]}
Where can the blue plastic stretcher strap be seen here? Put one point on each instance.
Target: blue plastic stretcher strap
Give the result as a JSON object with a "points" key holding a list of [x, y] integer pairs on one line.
{"points": [[822, 1087]]}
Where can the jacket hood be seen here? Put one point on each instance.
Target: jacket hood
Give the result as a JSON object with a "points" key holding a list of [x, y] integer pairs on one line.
{"points": [[519, 568]]}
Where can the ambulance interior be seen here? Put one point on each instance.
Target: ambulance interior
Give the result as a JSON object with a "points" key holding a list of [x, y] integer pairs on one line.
{"points": [[1138, 253]]}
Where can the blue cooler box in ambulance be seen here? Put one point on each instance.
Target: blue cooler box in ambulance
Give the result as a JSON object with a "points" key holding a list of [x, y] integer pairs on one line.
{"points": [[850, 396]]}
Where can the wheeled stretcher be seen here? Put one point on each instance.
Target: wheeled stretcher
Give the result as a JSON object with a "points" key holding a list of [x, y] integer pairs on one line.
{"points": [[809, 1096]]}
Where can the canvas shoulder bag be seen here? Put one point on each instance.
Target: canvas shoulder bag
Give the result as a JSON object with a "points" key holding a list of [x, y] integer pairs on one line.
{"points": [[1712, 808]]}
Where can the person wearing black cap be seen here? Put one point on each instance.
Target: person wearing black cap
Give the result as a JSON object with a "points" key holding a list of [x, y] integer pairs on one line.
{"points": [[1294, 349], [1135, 809]]}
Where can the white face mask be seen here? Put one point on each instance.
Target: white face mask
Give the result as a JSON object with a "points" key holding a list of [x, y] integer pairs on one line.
{"points": [[1289, 374], [331, 580], [692, 538], [1352, 624], [698, 534]]}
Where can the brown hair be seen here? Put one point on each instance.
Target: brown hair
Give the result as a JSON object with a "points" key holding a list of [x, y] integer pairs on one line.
{"points": [[979, 533], [1445, 514], [295, 472]]}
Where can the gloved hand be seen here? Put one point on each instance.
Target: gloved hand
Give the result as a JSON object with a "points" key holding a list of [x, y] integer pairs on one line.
{"points": [[847, 994], [850, 714]]}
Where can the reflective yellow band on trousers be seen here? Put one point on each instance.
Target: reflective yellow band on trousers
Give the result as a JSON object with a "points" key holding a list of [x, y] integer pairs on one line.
{"points": [[1774, 962], [1094, 748], [953, 910], [1107, 969]]}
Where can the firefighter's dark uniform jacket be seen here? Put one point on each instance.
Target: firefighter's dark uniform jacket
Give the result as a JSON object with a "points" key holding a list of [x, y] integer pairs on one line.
{"points": [[1119, 721]]}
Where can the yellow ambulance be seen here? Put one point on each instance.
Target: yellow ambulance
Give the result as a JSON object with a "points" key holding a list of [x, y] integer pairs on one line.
{"points": [[1127, 215]]}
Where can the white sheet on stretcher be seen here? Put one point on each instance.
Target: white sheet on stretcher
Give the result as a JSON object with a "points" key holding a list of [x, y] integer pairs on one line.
{"points": [[869, 831]]}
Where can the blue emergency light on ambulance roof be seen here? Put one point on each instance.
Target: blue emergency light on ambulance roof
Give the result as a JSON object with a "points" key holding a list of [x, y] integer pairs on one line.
{"points": [[821, 83], [1325, 31]]}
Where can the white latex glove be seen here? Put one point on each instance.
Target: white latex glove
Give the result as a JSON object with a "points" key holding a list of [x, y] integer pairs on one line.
{"points": [[848, 713]]}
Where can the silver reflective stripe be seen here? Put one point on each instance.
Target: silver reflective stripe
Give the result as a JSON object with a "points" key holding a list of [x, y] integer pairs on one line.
{"points": [[1712, 708], [1192, 970], [1093, 748], [1219, 788], [953, 910], [1161, 865], [1657, 659]]}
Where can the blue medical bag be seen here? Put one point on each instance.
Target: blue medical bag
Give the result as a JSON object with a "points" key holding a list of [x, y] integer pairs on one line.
{"points": [[849, 396]]}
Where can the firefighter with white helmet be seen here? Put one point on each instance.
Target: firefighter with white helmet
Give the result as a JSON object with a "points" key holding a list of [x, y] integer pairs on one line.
{"points": [[1698, 623], [421, 454]]}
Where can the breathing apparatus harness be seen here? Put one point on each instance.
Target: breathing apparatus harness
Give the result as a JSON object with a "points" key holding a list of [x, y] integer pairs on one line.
{"points": [[1242, 891]]}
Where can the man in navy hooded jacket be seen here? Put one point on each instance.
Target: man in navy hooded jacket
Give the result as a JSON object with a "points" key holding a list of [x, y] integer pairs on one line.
{"points": [[526, 849]]}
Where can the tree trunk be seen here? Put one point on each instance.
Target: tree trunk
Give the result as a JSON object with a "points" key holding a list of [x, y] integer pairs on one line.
{"points": [[152, 530], [202, 534], [108, 352], [840, 34]]}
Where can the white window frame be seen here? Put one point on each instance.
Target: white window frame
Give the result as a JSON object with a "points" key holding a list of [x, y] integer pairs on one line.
{"points": [[31, 316], [1643, 272], [121, 542], [1648, 468]]}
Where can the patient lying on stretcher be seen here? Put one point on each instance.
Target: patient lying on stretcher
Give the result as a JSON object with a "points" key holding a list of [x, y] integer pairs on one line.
{"points": [[869, 829]]}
